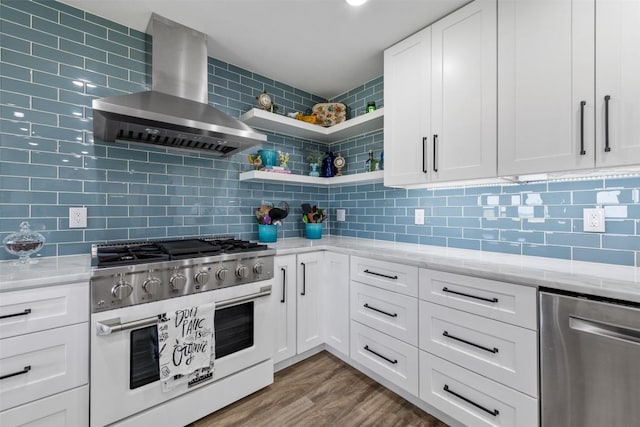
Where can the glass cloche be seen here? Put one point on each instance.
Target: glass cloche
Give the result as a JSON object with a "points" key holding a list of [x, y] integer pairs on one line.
{"points": [[24, 243]]}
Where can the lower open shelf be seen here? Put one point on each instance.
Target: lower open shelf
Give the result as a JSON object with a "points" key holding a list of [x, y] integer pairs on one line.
{"points": [[358, 178]]}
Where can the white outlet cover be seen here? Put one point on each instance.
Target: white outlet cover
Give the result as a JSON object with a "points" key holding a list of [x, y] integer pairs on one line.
{"points": [[593, 220], [419, 217], [77, 217], [341, 215]]}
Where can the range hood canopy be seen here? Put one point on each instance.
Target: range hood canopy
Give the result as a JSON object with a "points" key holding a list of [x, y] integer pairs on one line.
{"points": [[175, 112]]}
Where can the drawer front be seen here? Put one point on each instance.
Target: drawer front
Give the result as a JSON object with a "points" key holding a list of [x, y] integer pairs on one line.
{"points": [[502, 301], [388, 312], [471, 398], [67, 409], [44, 363], [390, 358], [387, 275], [34, 310], [502, 352]]}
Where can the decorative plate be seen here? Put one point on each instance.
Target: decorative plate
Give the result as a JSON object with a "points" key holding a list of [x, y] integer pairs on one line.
{"points": [[330, 113]]}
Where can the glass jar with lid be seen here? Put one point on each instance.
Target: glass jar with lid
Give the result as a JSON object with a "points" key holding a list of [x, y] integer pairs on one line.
{"points": [[24, 243]]}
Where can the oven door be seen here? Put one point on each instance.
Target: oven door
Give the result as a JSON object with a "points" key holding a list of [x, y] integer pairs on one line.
{"points": [[124, 348]]}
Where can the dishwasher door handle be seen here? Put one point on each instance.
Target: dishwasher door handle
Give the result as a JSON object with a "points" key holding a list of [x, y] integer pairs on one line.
{"points": [[605, 330]]}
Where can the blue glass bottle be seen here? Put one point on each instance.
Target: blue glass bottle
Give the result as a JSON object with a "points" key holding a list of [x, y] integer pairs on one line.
{"points": [[328, 170]]}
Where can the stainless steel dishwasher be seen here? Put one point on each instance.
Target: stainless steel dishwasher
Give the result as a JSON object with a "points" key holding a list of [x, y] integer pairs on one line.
{"points": [[589, 361]]}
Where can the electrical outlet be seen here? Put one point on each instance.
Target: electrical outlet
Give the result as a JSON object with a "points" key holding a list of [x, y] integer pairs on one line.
{"points": [[341, 215], [419, 217], [593, 220], [77, 217]]}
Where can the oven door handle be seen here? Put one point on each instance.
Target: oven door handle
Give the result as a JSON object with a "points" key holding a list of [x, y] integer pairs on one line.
{"points": [[107, 327]]}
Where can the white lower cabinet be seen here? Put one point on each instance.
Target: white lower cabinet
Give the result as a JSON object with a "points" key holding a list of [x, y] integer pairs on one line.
{"points": [[392, 359], [473, 399], [309, 299], [284, 307], [336, 301], [67, 409]]}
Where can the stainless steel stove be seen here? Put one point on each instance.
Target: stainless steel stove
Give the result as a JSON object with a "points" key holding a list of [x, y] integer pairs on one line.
{"points": [[130, 273]]}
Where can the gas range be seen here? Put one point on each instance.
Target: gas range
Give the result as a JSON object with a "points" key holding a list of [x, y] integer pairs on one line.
{"points": [[131, 273]]}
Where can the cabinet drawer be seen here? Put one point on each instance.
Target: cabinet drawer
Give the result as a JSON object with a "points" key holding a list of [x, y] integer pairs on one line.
{"points": [[388, 312], [387, 275], [44, 363], [471, 398], [34, 310], [489, 298], [388, 357], [67, 409], [502, 352]]}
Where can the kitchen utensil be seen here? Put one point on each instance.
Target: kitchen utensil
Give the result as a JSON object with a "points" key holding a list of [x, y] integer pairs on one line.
{"points": [[277, 214], [306, 208]]}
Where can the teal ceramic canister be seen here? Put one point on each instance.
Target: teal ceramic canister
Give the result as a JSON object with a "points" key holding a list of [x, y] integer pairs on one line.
{"points": [[267, 233], [313, 230]]}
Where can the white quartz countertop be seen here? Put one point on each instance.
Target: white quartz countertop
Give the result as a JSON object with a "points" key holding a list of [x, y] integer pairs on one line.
{"points": [[603, 280], [45, 272]]}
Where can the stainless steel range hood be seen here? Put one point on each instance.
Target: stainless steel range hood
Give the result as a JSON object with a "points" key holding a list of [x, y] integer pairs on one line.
{"points": [[175, 112]]}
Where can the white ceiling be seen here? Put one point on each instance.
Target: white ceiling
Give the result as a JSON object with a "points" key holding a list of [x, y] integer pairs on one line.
{"points": [[324, 47]]}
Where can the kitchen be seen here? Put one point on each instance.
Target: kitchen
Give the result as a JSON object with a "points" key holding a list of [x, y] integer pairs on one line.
{"points": [[50, 163]]}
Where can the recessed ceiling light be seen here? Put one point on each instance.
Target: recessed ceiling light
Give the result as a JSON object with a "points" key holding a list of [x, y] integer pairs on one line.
{"points": [[356, 2]]}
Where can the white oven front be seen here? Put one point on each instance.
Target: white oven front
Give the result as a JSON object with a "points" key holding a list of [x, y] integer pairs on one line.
{"points": [[124, 348]]}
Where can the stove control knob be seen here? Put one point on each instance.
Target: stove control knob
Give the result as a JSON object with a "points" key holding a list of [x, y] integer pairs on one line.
{"points": [[221, 274], [121, 290], [242, 272], [178, 281], [202, 277], [258, 268], [152, 285]]}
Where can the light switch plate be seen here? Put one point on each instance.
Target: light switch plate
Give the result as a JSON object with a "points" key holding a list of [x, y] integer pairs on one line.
{"points": [[341, 215], [419, 217], [593, 220], [77, 217]]}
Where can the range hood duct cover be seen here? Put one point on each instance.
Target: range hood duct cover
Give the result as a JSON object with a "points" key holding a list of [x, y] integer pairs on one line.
{"points": [[175, 113]]}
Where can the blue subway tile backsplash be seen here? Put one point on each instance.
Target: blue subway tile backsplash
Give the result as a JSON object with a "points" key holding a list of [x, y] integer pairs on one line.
{"points": [[55, 59]]}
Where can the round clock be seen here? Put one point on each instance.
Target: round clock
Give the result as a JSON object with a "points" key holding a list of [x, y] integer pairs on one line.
{"points": [[264, 100], [339, 162]]}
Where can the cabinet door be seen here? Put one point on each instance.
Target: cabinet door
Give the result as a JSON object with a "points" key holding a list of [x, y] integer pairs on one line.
{"points": [[284, 309], [407, 115], [545, 71], [310, 299], [618, 71], [336, 301], [464, 93]]}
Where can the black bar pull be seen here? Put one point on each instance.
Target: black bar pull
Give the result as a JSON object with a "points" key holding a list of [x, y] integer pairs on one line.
{"points": [[607, 148], [481, 347], [582, 104], [445, 289], [381, 275], [380, 311], [23, 313], [394, 361], [424, 154], [284, 283], [24, 371], [494, 412], [304, 279], [435, 153]]}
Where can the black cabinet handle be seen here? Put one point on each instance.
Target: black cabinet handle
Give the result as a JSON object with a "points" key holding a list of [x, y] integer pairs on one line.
{"points": [[23, 313], [381, 275], [582, 104], [394, 361], [607, 98], [445, 289], [424, 154], [494, 412], [435, 153], [380, 311], [304, 279], [284, 283], [24, 371], [481, 347]]}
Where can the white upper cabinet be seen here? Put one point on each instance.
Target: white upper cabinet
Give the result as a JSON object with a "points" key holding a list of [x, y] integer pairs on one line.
{"points": [[440, 100], [463, 94], [407, 119], [545, 86], [618, 78]]}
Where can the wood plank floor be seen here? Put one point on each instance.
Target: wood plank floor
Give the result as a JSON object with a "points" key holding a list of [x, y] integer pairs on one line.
{"points": [[321, 391]]}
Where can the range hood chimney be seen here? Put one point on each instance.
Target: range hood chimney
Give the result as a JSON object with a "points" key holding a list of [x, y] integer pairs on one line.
{"points": [[175, 113]]}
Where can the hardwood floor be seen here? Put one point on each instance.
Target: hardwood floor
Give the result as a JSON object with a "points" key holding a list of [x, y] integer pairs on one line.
{"points": [[321, 391]]}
